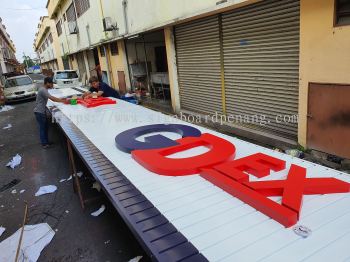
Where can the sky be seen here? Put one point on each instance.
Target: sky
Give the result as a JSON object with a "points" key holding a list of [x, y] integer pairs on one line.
{"points": [[21, 18]]}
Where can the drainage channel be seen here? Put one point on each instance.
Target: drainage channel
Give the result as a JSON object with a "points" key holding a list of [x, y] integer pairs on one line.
{"points": [[10, 185]]}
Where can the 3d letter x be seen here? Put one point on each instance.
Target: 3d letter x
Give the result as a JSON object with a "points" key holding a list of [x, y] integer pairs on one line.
{"points": [[232, 177], [296, 185]]}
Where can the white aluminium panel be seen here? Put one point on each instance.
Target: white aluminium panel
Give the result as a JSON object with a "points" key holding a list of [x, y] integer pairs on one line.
{"points": [[221, 227]]}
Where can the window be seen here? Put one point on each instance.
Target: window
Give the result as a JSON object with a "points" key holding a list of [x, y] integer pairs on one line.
{"points": [[21, 81], [70, 13], [59, 28], [102, 51], [66, 75], [81, 6], [114, 48], [342, 12], [50, 38]]}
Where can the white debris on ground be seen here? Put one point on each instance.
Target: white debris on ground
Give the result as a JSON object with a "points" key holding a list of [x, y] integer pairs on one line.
{"points": [[96, 186], [35, 239], [14, 191], [7, 127], [136, 259], [22, 191], [79, 174], [46, 190], [2, 230], [6, 108], [99, 212], [16, 160], [1, 145]]}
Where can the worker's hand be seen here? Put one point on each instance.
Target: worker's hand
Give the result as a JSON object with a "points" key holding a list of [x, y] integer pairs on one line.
{"points": [[87, 96]]}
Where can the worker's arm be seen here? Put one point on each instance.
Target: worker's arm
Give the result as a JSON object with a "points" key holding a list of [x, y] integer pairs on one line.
{"points": [[56, 99], [86, 94], [98, 94]]}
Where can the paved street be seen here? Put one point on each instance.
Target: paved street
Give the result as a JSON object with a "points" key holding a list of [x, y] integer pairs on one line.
{"points": [[79, 236]]}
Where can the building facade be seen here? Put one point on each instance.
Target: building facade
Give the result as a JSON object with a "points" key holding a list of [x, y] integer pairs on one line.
{"points": [[8, 60], [258, 66], [46, 45]]}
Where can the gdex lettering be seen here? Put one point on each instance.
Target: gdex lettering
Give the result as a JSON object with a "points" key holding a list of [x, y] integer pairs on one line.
{"points": [[219, 167]]}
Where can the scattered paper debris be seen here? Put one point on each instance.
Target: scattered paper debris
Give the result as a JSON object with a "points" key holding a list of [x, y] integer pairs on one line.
{"points": [[96, 186], [6, 108], [136, 259], [7, 127], [107, 242], [67, 211], [16, 160], [2, 206], [22, 191], [35, 239], [2, 230], [294, 153], [2, 145], [62, 180], [70, 178], [80, 174], [46, 190], [99, 212], [14, 191]]}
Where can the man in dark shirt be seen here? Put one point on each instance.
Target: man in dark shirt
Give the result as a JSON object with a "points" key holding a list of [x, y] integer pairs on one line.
{"points": [[100, 89]]}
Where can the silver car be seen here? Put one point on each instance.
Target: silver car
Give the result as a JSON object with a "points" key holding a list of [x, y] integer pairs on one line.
{"points": [[66, 78], [19, 88]]}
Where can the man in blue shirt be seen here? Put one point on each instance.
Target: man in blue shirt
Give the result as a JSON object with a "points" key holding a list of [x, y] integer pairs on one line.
{"points": [[98, 88]]}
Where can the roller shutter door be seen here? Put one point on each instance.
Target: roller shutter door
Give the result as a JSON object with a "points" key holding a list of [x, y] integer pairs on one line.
{"points": [[198, 60], [261, 58]]}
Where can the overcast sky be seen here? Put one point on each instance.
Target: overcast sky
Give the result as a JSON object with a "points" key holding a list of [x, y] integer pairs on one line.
{"points": [[21, 18]]}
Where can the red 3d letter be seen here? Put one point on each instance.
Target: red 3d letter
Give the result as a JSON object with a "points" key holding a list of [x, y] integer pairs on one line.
{"points": [[296, 185], [256, 193], [156, 160], [258, 165]]}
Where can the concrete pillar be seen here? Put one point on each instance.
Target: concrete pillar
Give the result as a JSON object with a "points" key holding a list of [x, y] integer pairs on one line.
{"points": [[172, 67], [87, 68], [123, 54]]}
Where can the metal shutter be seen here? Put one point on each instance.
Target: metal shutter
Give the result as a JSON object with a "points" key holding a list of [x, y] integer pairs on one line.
{"points": [[198, 60], [261, 58]]}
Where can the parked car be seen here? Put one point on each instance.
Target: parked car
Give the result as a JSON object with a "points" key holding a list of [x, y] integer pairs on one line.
{"points": [[19, 88], [66, 78]]}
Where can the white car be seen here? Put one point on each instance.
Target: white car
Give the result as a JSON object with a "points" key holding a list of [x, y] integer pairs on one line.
{"points": [[19, 88], [66, 78]]}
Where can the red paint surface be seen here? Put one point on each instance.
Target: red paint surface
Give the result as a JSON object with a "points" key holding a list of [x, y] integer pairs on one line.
{"points": [[156, 160]]}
